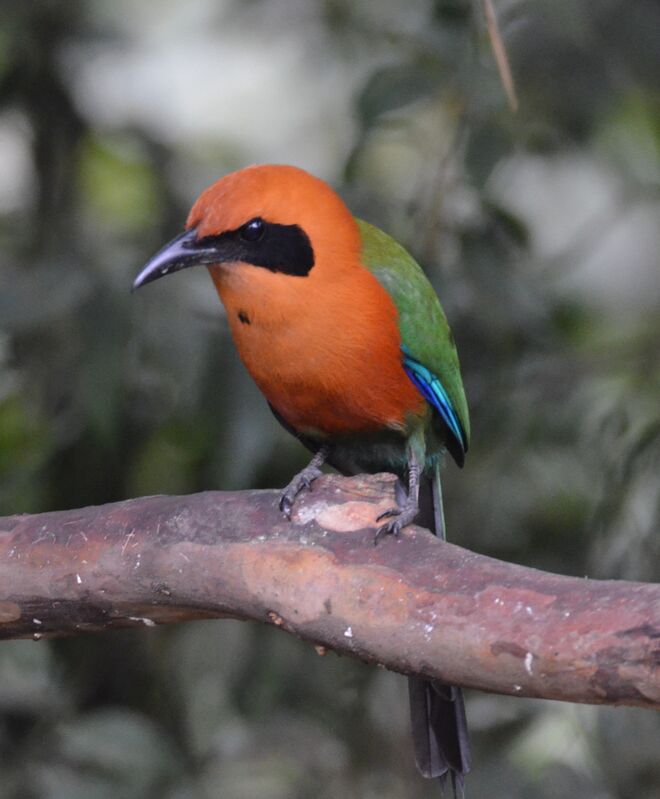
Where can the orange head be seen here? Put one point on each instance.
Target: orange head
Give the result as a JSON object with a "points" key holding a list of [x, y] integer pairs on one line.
{"points": [[277, 217], [314, 327]]}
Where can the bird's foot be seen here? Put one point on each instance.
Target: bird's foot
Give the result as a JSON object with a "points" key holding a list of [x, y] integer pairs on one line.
{"points": [[303, 480], [401, 516]]}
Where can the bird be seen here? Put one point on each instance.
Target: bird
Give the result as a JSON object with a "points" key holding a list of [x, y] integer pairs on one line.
{"points": [[346, 338]]}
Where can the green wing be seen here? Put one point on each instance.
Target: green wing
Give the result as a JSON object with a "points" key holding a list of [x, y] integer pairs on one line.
{"points": [[427, 340]]}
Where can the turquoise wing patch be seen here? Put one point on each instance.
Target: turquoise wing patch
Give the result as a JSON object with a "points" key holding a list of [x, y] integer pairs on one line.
{"points": [[434, 393]]}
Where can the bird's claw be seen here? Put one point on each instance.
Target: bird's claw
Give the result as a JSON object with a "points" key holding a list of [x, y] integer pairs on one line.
{"points": [[388, 512], [302, 481], [286, 505], [402, 517], [391, 528]]}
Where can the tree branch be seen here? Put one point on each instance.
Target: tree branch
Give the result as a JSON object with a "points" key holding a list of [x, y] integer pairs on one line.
{"points": [[417, 605]]}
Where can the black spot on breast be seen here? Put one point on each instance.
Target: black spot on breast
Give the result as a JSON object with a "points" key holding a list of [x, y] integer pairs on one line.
{"points": [[243, 317]]}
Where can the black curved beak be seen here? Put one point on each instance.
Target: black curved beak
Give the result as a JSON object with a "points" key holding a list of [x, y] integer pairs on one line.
{"points": [[180, 253]]}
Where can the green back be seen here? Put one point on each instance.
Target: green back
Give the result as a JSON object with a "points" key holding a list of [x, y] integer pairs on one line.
{"points": [[422, 322]]}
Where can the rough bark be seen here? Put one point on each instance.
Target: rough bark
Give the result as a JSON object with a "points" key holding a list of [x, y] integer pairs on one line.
{"points": [[416, 605]]}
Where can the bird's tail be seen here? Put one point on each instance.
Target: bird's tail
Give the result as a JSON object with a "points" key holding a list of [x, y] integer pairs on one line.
{"points": [[437, 712]]}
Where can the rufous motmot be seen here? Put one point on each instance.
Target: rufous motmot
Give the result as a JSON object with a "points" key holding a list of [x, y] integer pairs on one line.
{"points": [[347, 340]]}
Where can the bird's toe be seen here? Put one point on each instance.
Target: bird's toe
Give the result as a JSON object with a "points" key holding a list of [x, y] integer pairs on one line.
{"points": [[300, 482], [399, 518], [286, 504], [387, 513], [391, 528]]}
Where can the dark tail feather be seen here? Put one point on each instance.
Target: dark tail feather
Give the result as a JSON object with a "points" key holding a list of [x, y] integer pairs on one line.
{"points": [[439, 730], [437, 712]]}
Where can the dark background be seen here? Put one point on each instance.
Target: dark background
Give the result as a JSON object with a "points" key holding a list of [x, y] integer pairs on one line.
{"points": [[540, 231]]}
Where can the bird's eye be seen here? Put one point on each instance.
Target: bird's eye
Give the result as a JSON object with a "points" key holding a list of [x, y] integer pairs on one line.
{"points": [[253, 230]]}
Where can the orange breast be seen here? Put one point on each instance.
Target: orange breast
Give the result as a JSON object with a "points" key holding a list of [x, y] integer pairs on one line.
{"points": [[325, 353]]}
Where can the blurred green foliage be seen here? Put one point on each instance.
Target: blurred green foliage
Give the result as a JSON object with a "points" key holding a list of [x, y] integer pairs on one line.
{"points": [[540, 231]]}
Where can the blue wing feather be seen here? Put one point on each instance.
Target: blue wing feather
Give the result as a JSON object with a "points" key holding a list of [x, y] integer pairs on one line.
{"points": [[434, 393]]}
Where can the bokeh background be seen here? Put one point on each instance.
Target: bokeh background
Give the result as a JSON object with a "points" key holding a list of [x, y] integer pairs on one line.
{"points": [[540, 230]]}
